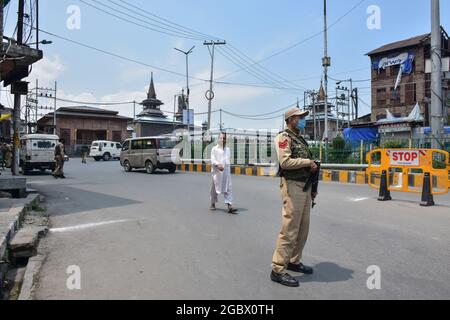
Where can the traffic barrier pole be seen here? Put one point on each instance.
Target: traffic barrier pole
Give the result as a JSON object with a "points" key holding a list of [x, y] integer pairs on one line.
{"points": [[427, 196], [385, 194]]}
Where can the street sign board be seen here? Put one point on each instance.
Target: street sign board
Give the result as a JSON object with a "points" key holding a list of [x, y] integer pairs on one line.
{"points": [[404, 157]]}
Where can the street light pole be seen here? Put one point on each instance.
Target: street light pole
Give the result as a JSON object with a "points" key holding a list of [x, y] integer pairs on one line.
{"points": [[187, 53], [210, 93], [326, 62]]}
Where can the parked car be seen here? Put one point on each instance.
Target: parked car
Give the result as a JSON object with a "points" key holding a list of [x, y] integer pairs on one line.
{"points": [[37, 151], [105, 150], [151, 153]]}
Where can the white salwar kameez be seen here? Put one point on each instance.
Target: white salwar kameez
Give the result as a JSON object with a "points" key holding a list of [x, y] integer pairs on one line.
{"points": [[221, 180]]}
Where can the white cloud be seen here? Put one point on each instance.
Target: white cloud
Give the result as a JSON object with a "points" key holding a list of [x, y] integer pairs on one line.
{"points": [[47, 71]]}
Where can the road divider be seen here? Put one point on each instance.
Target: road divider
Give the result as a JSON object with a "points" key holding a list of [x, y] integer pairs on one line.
{"points": [[327, 175]]}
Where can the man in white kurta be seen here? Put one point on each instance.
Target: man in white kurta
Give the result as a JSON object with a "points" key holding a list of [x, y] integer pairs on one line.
{"points": [[221, 174]]}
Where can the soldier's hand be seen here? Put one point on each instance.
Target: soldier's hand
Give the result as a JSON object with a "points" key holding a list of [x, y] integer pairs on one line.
{"points": [[220, 167], [314, 166]]}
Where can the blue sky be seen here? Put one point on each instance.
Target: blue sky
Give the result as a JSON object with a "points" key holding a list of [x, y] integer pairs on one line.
{"points": [[257, 28]]}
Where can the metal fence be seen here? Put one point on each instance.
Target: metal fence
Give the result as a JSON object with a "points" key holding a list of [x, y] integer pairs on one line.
{"points": [[255, 148]]}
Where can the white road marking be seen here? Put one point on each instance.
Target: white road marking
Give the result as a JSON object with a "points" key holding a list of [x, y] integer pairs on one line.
{"points": [[359, 199], [86, 226]]}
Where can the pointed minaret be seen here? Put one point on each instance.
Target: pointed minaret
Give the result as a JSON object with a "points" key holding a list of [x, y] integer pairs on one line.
{"points": [[151, 94], [321, 92], [152, 104]]}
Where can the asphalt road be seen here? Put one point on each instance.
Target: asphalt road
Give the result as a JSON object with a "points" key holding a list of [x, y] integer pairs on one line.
{"points": [[140, 236]]}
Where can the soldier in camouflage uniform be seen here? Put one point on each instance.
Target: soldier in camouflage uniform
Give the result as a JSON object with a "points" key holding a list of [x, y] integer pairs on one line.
{"points": [[59, 158], [296, 166]]}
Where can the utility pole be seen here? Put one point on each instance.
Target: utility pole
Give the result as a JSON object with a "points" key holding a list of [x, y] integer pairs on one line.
{"points": [[210, 93], [174, 111], [54, 113], [352, 106], [314, 116], [437, 123], [326, 62], [16, 121], [1, 21], [187, 53]]}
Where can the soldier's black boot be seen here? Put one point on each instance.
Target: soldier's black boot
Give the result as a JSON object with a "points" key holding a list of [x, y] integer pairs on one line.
{"points": [[284, 278], [300, 268]]}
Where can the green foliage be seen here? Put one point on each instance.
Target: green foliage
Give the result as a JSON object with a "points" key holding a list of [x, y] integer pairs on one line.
{"points": [[339, 152], [395, 145]]}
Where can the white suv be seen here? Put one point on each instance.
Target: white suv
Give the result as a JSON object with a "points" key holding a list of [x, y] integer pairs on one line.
{"points": [[105, 150]]}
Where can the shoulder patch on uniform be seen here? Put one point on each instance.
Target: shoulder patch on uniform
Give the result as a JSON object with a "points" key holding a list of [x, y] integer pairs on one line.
{"points": [[283, 144]]}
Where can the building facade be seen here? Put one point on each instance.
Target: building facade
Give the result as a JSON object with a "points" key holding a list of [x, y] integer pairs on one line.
{"points": [[81, 125], [401, 76]]}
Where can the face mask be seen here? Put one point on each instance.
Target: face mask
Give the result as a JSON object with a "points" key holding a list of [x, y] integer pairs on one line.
{"points": [[301, 125]]}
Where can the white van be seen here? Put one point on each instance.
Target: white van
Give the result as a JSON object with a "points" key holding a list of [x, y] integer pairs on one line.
{"points": [[105, 150], [37, 151]]}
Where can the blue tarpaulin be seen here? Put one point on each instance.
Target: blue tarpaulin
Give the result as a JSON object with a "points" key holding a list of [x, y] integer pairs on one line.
{"points": [[427, 130], [355, 135]]}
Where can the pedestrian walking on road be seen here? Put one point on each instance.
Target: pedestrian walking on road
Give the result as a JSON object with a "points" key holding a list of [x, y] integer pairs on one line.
{"points": [[296, 166], [221, 174], [59, 158]]}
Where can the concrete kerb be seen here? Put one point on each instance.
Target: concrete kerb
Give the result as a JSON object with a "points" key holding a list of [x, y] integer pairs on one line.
{"points": [[11, 221], [27, 291]]}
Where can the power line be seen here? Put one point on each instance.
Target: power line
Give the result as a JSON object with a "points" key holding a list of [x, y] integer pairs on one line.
{"points": [[191, 32], [135, 23], [303, 41], [262, 114], [252, 119], [165, 20], [96, 103], [117, 55], [146, 64], [184, 33], [251, 72], [273, 77], [170, 24], [271, 74]]}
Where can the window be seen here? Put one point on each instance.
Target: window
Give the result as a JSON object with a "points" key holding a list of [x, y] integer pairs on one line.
{"points": [[149, 144], [44, 144], [410, 93], [136, 144], [167, 144], [381, 97], [381, 73], [395, 96], [428, 85], [126, 146], [112, 145], [395, 70], [118, 146]]}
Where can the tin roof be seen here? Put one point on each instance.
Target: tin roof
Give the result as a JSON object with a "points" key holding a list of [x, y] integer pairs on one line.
{"points": [[414, 41]]}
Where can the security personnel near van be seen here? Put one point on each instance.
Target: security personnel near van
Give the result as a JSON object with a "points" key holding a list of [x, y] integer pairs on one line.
{"points": [[8, 155], [296, 166], [59, 158]]}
